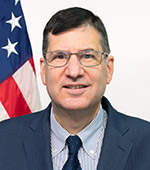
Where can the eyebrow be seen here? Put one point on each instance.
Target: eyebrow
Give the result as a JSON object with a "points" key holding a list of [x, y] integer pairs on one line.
{"points": [[86, 49]]}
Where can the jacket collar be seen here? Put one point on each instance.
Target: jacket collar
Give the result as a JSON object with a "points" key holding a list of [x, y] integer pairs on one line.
{"points": [[116, 147], [115, 150], [36, 141]]}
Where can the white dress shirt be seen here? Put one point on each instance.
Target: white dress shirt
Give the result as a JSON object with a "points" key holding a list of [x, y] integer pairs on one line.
{"points": [[91, 137]]}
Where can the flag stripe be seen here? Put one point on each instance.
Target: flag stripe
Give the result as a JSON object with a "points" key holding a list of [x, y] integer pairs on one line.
{"points": [[32, 64], [25, 79], [11, 97], [3, 113]]}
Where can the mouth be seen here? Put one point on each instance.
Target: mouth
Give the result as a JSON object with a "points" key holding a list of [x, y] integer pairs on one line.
{"points": [[75, 86]]}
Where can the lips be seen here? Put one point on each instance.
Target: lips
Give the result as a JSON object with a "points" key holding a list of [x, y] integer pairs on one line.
{"points": [[75, 86], [75, 90]]}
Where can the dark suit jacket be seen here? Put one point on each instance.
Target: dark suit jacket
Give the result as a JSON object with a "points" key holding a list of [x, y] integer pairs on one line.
{"points": [[25, 142]]}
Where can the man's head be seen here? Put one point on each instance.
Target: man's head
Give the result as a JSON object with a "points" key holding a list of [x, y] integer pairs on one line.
{"points": [[76, 85], [70, 18]]}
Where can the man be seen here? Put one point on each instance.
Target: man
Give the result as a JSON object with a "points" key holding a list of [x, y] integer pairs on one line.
{"points": [[79, 129]]}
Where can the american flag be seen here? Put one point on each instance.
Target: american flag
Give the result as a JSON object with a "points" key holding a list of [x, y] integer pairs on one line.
{"points": [[18, 86]]}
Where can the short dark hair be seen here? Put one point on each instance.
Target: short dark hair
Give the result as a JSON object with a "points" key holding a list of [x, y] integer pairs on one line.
{"points": [[74, 17]]}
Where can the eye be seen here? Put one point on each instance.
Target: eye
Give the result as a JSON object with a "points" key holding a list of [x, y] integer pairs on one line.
{"points": [[58, 56], [88, 56]]}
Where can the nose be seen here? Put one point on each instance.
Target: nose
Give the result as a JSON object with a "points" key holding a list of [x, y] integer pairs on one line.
{"points": [[74, 69]]}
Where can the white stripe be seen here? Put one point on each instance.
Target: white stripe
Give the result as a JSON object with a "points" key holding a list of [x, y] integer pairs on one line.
{"points": [[26, 80], [3, 113]]}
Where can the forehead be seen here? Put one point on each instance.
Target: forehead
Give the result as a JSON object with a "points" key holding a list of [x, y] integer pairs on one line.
{"points": [[75, 39]]}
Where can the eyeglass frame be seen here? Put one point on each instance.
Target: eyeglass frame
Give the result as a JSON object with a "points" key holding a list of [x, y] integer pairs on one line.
{"points": [[105, 54]]}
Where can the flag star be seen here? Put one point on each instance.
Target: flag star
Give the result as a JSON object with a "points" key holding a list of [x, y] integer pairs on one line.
{"points": [[10, 48], [16, 1], [14, 22]]}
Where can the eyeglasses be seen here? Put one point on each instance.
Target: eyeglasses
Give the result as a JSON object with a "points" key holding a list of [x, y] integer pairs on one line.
{"points": [[87, 58]]}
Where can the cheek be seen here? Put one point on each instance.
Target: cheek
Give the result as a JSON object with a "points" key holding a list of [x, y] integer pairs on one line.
{"points": [[100, 79], [100, 76], [52, 78]]}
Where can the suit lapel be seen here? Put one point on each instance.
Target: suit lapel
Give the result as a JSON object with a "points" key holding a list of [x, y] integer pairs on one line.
{"points": [[37, 142], [116, 147], [115, 150]]}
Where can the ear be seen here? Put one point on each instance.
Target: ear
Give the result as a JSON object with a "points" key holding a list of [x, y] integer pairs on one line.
{"points": [[42, 66], [110, 68]]}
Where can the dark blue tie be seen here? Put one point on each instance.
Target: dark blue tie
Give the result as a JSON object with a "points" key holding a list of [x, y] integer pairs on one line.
{"points": [[72, 163]]}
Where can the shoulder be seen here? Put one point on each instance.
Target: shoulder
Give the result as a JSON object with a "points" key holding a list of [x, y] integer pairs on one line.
{"points": [[17, 126], [123, 123], [118, 116], [139, 129], [138, 133], [137, 126]]}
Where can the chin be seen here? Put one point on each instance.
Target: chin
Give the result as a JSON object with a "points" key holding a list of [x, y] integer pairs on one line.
{"points": [[75, 105]]}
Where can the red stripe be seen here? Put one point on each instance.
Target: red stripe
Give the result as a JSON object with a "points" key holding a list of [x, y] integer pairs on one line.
{"points": [[12, 99], [32, 64]]}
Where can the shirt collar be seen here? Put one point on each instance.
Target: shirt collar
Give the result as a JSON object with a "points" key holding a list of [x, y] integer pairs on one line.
{"points": [[89, 136], [58, 135]]}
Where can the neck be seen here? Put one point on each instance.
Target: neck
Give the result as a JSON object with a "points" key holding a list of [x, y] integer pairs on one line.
{"points": [[74, 120]]}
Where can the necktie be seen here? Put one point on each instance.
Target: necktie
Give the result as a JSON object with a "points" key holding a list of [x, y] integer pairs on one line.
{"points": [[72, 163]]}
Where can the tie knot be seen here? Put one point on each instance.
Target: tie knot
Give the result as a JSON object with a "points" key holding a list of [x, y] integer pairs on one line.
{"points": [[74, 143]]}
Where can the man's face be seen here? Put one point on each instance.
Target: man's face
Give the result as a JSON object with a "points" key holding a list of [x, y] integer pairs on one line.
{"points": [[75, 86]]}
